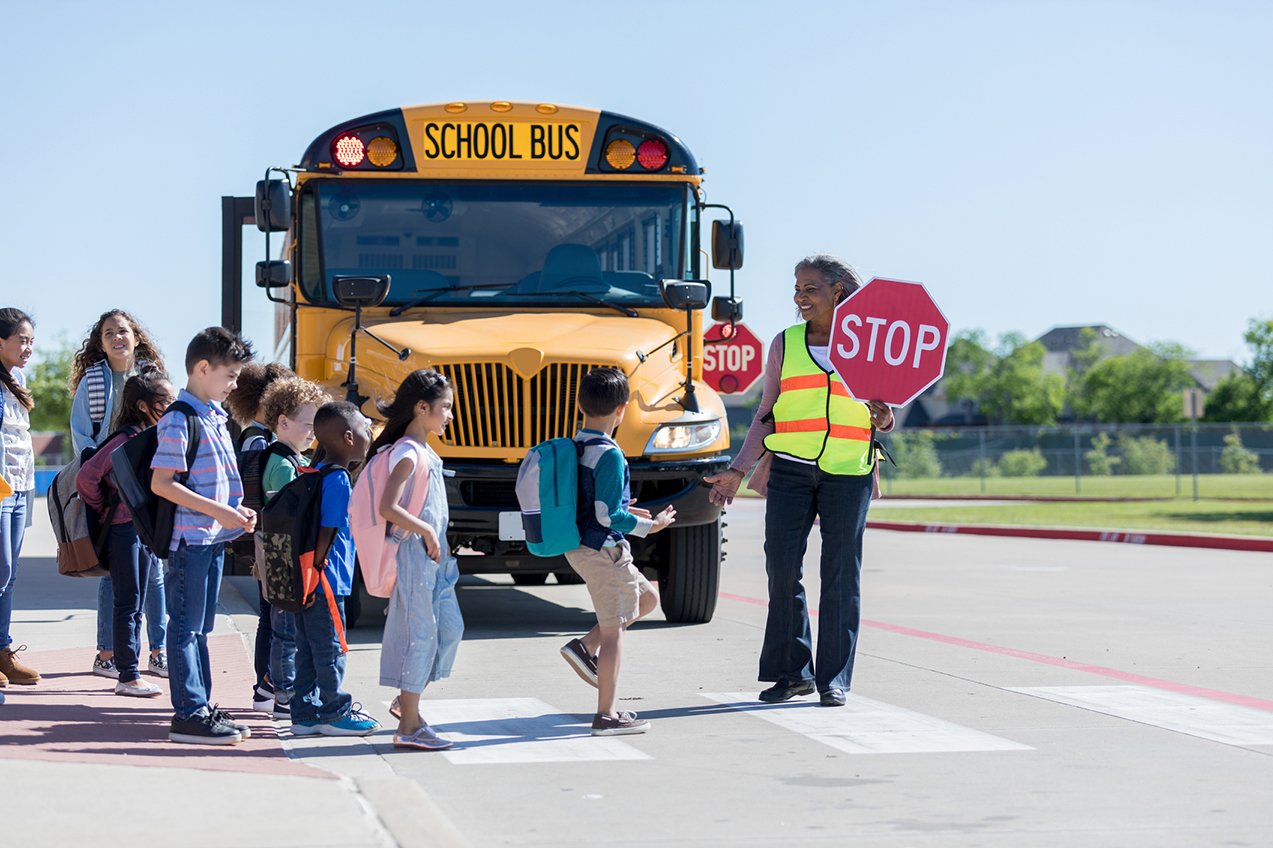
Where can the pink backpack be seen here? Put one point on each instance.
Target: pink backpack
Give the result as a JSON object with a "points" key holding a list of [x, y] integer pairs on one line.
{"points": [[375, 539]]}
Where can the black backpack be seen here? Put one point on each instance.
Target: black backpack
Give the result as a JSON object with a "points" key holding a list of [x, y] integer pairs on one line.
{"points": [[130, 466], [289, 526], [252, 465]]}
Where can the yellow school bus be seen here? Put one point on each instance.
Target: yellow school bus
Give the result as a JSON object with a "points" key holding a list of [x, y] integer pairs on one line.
{"points": [[514, 246]]}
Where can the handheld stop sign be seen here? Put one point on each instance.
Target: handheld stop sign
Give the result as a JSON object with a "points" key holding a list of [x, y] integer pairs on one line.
{"points": [[888, 341]]}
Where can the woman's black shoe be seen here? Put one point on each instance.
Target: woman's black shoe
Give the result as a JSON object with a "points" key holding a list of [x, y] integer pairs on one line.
{"points": [[832, 698], [783, 691]]}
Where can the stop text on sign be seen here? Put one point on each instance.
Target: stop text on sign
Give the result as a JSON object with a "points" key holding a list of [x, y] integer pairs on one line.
{"points": [[722, 358], [895, 345]]}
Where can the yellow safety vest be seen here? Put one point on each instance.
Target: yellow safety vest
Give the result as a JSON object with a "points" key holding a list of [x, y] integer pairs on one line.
{"points": [[815, 418]]}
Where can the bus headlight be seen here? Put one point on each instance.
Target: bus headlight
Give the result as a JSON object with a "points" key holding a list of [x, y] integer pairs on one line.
{"points": [[682, 438]]}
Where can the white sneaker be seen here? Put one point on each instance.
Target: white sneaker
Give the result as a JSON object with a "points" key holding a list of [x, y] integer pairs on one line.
{"points": [[138, 689], [158, 666], [105, 668]]}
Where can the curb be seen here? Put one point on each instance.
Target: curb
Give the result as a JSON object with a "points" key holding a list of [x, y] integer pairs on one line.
{"points": [[1129, 537]]}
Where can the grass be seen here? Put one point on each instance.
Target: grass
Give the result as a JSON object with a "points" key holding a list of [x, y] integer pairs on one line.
{"points": [[1182, 516], [1122, 486]]}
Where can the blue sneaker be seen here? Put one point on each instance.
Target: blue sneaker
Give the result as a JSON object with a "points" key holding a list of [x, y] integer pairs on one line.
{"points": [[305, 728], [357, 723]]}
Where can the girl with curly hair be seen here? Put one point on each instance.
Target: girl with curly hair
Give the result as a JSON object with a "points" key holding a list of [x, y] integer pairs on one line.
{"points": [[116, 348]]}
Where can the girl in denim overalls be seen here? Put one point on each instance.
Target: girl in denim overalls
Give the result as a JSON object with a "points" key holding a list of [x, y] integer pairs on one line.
{"points": [[424, 626]]}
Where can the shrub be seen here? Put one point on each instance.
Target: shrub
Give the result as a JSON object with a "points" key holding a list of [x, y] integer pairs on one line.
{"points": [[1146, 455], [1022, 463], [984, 467], [1099, 462], [1236, 459], [915, 455]]}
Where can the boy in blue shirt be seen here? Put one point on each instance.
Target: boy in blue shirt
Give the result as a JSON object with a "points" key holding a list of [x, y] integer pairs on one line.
{"points": [[319, 705], [209, 514], [620, 593]]}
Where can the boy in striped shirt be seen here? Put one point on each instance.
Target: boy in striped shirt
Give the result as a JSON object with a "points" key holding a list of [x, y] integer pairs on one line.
{"points": [[209, 514]]}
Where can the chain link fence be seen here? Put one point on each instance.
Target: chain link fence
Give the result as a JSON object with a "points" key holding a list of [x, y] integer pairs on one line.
{"points": [[1126, 460]]}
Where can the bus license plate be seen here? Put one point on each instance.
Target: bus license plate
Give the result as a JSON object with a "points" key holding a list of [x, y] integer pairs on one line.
{"points": [[510, 527]]}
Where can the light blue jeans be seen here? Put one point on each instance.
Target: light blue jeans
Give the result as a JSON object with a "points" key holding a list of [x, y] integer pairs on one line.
{"points": [[13, 526], [155, 609]]}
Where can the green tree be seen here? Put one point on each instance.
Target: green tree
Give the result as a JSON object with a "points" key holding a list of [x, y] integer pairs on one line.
{"points": [[48, 381], [1022, 463], [1099, 462], [915, 454], [1142, 387], [1248, 394], [1008, 383], [1237, 459], [1146, 455]]}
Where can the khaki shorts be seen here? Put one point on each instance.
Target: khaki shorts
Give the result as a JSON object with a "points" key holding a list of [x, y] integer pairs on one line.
{"points": [[613, 581]]}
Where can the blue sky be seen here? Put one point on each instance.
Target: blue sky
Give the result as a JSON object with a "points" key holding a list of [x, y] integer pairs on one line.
{"points": [[1034, 163]]}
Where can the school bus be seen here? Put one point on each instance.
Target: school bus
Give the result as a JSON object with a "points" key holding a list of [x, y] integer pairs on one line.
{"points": [[512, 246]]}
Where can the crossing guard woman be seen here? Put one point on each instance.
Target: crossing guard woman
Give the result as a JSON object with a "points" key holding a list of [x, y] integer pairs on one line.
{"points": [[814, 446]]}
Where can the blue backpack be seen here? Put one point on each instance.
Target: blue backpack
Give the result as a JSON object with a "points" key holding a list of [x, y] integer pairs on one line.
{"points": [[548, 494]]}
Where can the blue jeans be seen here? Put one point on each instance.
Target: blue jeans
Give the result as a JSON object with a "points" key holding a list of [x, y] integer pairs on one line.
{"points": [[283, 651], [13, 526], [194, 584], [799, 493], [130, 567], [154, 608], [320, 666]]}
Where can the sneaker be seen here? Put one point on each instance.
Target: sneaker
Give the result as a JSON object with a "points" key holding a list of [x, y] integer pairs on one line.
{"points": [[158, 665], [138, 689], [584, 663], [222, 716], [282, 710], [357, 723], [12, 671], [623, 724], [105, 668], [424, 739], [202, 729], [263, 698], [305, 728]]}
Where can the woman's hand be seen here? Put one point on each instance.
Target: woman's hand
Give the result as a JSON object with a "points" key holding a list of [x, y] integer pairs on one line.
{"points": [[431, 545], [881, 414], [724, 486]]}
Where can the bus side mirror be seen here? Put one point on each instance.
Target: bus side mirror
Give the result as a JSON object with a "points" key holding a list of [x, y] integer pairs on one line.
{"points": [[274, 274], [685, 294], [727, 310], [273, 206], [727, 245]]}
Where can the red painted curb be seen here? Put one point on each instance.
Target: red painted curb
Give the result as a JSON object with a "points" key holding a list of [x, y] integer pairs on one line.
{"points": [[1183, 540]]}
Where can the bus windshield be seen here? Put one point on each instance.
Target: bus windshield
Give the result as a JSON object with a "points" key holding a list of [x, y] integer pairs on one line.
{"points": [[497, 244]]}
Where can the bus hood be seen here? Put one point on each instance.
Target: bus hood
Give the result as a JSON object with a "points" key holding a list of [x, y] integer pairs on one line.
{"points": [[556, 336]]}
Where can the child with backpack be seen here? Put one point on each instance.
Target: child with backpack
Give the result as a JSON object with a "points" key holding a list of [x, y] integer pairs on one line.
{"points": [[424, 625], [143, 400], [320, 706], [620, 593], [246, 408], [208, 514], [289, 405]]}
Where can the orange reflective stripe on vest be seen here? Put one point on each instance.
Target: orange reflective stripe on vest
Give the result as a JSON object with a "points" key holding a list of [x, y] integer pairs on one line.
{"points": [[812, 381]]}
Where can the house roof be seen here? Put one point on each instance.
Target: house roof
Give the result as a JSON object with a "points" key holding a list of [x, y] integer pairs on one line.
{"points": [[1070, 339]]}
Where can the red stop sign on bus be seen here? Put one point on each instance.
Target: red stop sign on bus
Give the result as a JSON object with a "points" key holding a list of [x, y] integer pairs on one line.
{"points": [[888, 341], [731, 366]]}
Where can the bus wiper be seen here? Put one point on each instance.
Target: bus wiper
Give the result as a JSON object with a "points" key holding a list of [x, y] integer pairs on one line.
{"points": [[618, 307], [435, 293]]}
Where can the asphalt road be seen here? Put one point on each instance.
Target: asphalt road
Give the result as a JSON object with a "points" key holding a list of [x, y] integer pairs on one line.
{"points": [[1007, 693]]}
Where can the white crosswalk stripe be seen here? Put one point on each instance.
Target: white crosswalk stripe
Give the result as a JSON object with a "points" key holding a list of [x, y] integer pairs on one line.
{"points": [[864, 726], [1206, 719], [519, 730]]}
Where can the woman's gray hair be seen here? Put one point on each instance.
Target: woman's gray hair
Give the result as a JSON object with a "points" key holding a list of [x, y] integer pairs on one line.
{"points": [[833, 270]]}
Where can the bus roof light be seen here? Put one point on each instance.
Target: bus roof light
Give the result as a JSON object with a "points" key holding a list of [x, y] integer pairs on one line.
{"points": [[620, 154], [349, 151], [382, 151], [652, 154]]}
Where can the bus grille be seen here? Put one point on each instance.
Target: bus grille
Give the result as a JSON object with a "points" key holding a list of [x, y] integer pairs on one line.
{"points": [[497, 408]]}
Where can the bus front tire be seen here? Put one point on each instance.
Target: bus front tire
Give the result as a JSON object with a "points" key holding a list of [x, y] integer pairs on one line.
{"points": [[690, 577]]}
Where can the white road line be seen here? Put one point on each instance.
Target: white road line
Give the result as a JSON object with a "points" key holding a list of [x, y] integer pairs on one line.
{"points": [[863, 726], [519, 730], [1206, 719]]}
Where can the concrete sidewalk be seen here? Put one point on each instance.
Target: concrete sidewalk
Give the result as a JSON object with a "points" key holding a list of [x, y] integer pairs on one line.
{"points": [[89, 767]]}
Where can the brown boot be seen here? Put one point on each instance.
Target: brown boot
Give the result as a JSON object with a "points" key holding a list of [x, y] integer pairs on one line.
{"points": [[22, 675], [4, 681]]}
